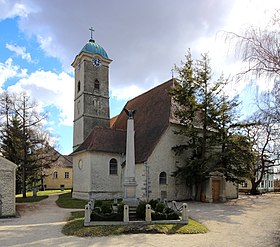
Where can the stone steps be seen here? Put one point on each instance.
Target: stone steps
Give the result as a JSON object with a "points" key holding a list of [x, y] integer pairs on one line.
{"points": [[132, 213]]}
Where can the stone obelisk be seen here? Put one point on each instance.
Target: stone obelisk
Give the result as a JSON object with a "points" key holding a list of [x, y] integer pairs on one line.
{"points": [[130, 184]]}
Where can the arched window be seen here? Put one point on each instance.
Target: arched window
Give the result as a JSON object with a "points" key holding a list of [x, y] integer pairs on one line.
{"points": [[79, 86], [162, 178], [113, 167], [96, 84]]}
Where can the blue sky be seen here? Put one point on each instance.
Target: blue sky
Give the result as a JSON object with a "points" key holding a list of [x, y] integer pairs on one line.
{"points": [[39, 40]]}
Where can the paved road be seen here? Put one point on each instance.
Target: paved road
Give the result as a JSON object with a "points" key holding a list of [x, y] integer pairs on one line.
{"points": [[251, 221]]}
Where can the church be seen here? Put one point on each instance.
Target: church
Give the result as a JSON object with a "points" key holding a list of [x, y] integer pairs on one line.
{"points": [[99, 143]]}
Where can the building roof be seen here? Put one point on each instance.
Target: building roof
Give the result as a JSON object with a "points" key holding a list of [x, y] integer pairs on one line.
{"points": [[104, 139], [150, 121], [92, 47], [113, 120], [59, 159]]}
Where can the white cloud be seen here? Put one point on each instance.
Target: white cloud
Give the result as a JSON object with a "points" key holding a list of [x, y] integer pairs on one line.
{"points": [[49, 88], [8, 70], [10, 9], [20, 51], [126, 93]]}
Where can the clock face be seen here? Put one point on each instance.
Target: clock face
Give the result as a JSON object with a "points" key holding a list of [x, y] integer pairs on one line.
{"points": [[96, 62]]}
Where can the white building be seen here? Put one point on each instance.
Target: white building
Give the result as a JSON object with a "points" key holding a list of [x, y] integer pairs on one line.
{"points": [[267, 183], [99, 142]]}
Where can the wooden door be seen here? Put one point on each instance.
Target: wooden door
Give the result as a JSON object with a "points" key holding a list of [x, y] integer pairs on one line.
{"points": [[216, 190]]}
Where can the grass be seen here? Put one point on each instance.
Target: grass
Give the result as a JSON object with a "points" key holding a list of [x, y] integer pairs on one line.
{"points": [[41, 195], [44, 193], [30, 199], [75, 227], [66, 201]]}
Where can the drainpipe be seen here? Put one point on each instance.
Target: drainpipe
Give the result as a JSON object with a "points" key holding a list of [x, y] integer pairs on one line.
{"points": [[147, 180]]}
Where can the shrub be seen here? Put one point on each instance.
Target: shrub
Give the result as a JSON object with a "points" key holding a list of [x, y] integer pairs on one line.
{"points": [[172, 216], [159, 216], [120, 208], [106, 209], [97, 210], [168, 210], [98, 203], [153, 203], [141, 210], [160, 207], [161, 211], [109, 217]]}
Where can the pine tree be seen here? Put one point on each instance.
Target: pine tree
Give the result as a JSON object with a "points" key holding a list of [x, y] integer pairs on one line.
{"points": [[207, 117]]}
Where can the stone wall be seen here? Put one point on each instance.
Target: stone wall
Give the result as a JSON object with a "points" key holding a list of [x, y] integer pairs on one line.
{"points": [[7, 188], [231, 190]]}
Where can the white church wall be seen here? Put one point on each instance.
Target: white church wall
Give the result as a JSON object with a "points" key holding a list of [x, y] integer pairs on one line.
{"points": [[81, 175], [163, 159], [103, 184], [94, 179]]}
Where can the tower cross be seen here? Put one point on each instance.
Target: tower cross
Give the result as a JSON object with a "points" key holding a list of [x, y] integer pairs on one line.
{"points": [[91, 32]]}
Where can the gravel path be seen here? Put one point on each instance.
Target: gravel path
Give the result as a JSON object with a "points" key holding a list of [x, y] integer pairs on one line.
{"points": [[249, 221]]}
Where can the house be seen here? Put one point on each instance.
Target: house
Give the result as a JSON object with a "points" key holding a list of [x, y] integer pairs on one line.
{"points": [[59, 174], [100, 142], [7, 188], [266, 184]]}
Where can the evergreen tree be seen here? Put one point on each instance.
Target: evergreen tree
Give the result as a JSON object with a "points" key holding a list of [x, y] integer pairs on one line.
{"points": [[207, 117]]}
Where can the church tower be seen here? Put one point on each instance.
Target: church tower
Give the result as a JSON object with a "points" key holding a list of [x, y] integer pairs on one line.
{"points": [[91, 100]]}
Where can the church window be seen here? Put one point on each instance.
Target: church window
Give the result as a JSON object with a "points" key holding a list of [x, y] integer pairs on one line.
{"points": [[96, 84], [113, 167], [55, 175], [162, 178], [79, 87]]}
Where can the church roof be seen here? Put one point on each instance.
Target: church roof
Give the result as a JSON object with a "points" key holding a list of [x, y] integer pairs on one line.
{"points": [[104, 139], [150, 121], [92, 47]]}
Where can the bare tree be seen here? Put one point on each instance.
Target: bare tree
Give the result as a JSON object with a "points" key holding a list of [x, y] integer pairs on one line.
{"points": [[23, 139], [259, 49], [264, 135]]}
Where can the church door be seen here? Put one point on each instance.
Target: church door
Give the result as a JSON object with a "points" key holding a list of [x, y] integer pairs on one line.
{"points": [[216, 190]]}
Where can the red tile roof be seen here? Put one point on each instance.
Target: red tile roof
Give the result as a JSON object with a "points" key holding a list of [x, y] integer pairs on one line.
{"points": [[113, 120], [150, 121], [104, 139]]}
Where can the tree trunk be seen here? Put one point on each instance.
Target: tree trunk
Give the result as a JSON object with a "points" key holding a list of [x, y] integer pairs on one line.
{"points": [[254, 190], [23, 183], [197, 196]]}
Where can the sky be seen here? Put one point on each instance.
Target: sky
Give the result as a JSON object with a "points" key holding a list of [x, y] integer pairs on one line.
{"points": [[39, 40]]}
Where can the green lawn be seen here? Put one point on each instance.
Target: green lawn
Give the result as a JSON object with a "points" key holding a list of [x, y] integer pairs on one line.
{"points": [[66, 201], [30, 199], [75, 227], [44, 193], [40, 195]]}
